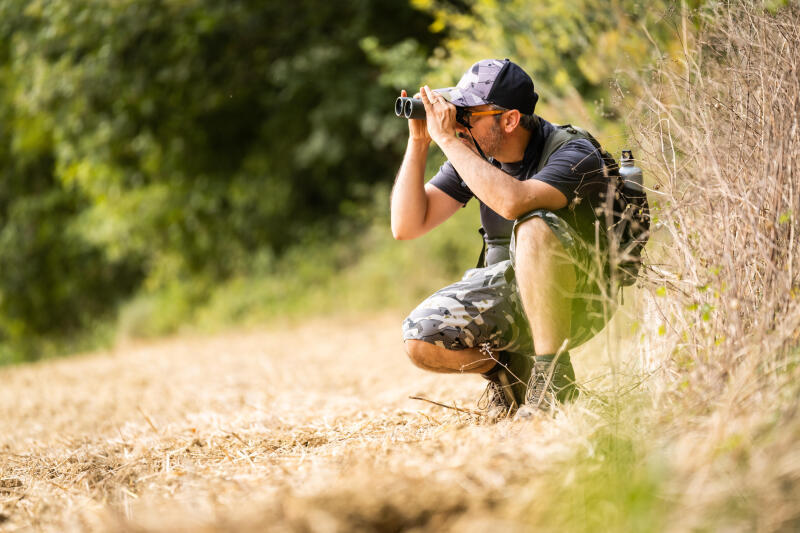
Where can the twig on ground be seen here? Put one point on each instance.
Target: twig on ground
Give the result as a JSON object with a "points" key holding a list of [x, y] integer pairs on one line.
{"points": [[459, 409]]}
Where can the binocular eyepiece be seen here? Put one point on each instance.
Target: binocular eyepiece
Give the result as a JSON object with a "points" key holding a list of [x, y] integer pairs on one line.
{"points": [[407, 107]]}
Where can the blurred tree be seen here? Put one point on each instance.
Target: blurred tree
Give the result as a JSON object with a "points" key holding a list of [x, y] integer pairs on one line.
{"points": [[575, 50], [143, 141], [576, 44]]}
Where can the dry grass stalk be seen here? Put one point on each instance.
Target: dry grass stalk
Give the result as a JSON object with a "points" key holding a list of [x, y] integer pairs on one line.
{"points": [[721, 133], [722, 144]]}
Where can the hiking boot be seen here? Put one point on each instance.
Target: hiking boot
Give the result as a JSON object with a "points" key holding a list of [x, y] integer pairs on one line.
{"points": [[552, 380], [495, 401], [508, 383], [518, 372]]}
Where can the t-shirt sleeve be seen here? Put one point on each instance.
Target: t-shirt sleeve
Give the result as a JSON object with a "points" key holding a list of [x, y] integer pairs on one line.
{"points": [[448, 181], [576, 166]]}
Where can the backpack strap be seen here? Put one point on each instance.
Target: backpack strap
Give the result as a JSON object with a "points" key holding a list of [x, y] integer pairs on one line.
{"points": [[560, 136], [482, 258]]}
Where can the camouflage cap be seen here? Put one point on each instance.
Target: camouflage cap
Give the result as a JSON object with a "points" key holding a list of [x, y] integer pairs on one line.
{"points": [[494, 81]]}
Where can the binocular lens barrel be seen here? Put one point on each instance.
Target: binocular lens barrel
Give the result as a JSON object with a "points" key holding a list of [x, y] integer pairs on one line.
{"points": [[409, 108]]}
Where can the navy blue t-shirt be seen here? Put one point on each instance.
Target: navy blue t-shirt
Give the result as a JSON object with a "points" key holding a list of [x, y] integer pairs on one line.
{"points": [[575, 169]]}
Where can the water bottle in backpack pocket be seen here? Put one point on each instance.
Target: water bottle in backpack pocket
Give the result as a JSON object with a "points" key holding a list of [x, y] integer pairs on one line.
{"points": [[632, 219]]}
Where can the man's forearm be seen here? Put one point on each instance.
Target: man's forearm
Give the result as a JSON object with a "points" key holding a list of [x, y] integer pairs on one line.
{"points": [[409, 202], [495, 188]]}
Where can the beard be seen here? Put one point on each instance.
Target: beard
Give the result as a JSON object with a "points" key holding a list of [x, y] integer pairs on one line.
{"points": [[493, 140], [490, 142]]}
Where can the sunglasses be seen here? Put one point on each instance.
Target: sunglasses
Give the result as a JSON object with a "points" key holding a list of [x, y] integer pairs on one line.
{"points": [[463, 116]]}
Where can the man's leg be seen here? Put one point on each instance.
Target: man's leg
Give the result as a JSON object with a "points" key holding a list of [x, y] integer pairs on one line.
{"points": [[475, 325], [546, 281], [507, 373], [434, 358]]}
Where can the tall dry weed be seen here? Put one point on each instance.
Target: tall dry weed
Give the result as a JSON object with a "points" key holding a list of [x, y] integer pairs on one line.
{"points": [[720, 133]]}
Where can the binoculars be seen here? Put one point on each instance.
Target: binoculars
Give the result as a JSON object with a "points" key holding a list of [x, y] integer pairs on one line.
{"points": [[407, 107]]}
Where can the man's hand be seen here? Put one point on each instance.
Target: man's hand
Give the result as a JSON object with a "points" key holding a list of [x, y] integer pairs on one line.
{"points": [[417, 129], [440, 115]]}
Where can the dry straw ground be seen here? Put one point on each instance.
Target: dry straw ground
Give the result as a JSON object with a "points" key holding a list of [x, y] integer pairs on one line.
{"points": [[307, 428]]}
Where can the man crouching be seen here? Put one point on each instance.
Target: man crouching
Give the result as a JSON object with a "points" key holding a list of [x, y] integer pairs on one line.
{"points": [[539, 292]]}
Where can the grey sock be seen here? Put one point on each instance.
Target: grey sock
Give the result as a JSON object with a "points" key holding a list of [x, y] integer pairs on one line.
{"points": [[548, 358]]}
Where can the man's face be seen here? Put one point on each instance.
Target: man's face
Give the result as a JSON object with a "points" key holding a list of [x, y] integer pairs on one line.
{"points": [[485, 129]]}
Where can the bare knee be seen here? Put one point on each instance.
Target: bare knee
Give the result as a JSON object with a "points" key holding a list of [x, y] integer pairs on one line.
{"points": [[540, 256], [535, 236]]}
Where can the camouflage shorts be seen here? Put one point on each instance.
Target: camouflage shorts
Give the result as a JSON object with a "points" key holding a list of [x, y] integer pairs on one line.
{"points": [[485, 305]]}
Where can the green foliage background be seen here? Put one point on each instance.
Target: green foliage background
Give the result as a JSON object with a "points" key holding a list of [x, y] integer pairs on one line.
{"points": [[149, 144], [178, 162]]}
